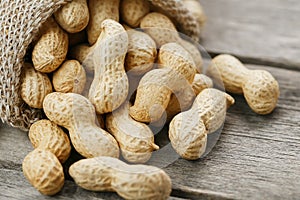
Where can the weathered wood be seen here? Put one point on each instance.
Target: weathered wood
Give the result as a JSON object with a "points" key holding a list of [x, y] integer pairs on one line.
{"points": [[257, 31], [257, 157]]}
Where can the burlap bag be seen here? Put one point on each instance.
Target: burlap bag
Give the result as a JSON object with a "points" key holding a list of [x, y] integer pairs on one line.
{"points": [[20, 21]]}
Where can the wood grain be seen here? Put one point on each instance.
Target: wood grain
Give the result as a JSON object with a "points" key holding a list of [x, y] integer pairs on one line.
{"points": [[257, 157], [257, 31]]}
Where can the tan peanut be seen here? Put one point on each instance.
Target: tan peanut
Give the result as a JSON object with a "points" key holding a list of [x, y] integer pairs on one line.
{"points": [[44, 171], [83, 53], [74, 16], [132, 11], [155, 88], [187, 96], [99, 11], [110, 86], [133, 182], [34, 86], [163, 31], [174, 56], [196, 10], [70, 77], [135, 139], [44, 134], [188, 130], [141, 53], [259, 87], [77, 114], [184, 19], [51, 49]]}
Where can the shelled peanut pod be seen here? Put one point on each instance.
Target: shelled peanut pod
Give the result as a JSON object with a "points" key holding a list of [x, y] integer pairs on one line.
{"points": [[188, 130], [260, 88]]}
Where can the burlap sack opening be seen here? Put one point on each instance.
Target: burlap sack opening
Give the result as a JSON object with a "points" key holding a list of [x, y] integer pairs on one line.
{"points": [[20, 21]]}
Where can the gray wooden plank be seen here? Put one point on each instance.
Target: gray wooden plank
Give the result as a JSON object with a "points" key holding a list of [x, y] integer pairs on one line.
{"points": [[14, 146], [257, 157], [257, 31]]}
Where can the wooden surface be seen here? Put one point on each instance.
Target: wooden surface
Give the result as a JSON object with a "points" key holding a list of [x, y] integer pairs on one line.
{"points": [[256, 157], [258, 31]]}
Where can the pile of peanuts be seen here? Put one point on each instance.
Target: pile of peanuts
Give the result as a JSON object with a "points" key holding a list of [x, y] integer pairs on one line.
{"points": [[89, 62]]}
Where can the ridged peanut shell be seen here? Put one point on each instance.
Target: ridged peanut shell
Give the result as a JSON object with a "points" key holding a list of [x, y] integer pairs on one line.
{"points": [[135, 182], [99, 11], [188, 129], [194, 52], [160, 28], [163, 31], [132, 11], [153, 94], [261, 91], [70, 77], [44, 171], [196, 10], [46, 135], [84, 54], [174, 56], [185, 20], [77, 114], [260, 88], [232, 72], [51, 49], [135, 139], [34, 86], [187, 95], [74, 16], [141, 53], [110, 86]]}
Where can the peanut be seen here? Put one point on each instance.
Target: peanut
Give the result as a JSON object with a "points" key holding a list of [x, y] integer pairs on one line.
{"points": [[196, 10], [174, 56], [155, 88], [34, 86], [77, 114], [188, 130], [187, 96], [134, 182], [74, 16], [99, 11], [70, 77], [163, 31], [51, 49], [141, 53], [154, 92], [132, 11], [109, 88], [259, 87], [135, 139], [84, 54], [44, 171], [44, 134]]}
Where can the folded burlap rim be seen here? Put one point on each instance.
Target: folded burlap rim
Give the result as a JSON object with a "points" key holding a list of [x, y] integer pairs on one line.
{"points": [[20, 21]]}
